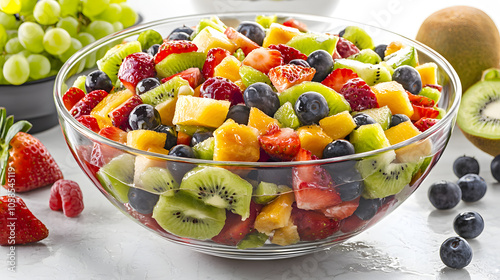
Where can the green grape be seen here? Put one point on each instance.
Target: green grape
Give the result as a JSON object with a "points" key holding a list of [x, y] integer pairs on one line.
{"points": [[117, 1], [47, 12], [117, 26], [85, 38], [13, 46], [30, 36], [10, 6], [69, 7], [92, 8], [56, 41], [55, 62], [39, 66], [2, 62], [25, 53], [100, 28], [11, 34], [69, 24], [148, 38], [16, 69], [8, 21], [111, 14], [128, 16], [3, 37], [73, 48], [27, 7]]}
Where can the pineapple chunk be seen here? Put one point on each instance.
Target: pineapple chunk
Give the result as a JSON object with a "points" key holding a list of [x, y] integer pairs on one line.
{"points": [[338, 126], [286, 235], [145, 139], [236, 142], [314, 139], [108, 104], [279, 34], [259, 120], [200, 111], [167, 110], [427, 73], [228, 68], [276, 214], [393, 95], [210, 38]]}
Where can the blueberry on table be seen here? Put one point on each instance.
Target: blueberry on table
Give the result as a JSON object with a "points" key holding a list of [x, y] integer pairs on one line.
{"points": [[142, 201], [261, 96], [444, 194], [495, 168], [455, 252], [239, 113], [468, 224], [465, 165], [322, 61], [253, 31], [311, 107], [409, 78], [363, 119], [473, 187], [144, 116], [98, 80], [397, 119], [147, 84]]}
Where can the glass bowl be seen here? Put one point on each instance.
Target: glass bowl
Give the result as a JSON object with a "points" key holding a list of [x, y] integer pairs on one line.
{"points": [[420, 152]]}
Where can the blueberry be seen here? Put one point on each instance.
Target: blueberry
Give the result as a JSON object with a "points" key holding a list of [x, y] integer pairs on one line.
{"points": [[348, 181], [186, 29], [275, 175], [144, 116], [239, 113], [367, 208], [199, 137], [179, 36], [253, 31], [147, 84], [444, 194], [179, 169], [322, 61], [153, 49], [338, 148], [380, 50], [98, 80], [409, 78], [455, 252], [465, 165], [398, 118], [299, 62], [142, 201], [182, 150], [171, 135], [363, 119], [468, 224], [261, 96], [342, 32], [495, 168], [473, 187], [311, 107]]}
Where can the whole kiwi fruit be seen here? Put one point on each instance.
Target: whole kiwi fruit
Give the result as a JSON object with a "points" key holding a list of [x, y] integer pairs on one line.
{"points": [[467, 37]]}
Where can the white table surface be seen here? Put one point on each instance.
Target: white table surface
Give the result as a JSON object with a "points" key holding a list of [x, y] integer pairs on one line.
{"points": [[102, 243]]}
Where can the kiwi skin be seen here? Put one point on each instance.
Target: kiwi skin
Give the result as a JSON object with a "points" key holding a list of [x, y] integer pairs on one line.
{"points": [[489, 146]]}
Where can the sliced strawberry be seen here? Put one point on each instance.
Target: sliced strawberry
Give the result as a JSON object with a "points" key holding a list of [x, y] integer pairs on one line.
{"points": [[359, 95], [313, 186], [242, 41], [281, 143], [420, 100], [134, 68], [87, 103], [338, 78], [425, 123], [89, 122], [423, 112], [438, 87], [263, 59], [312, 225], [342, 210], [176, 46], [288, 75], [119, 115], [296, 24], [192, 75], [235, 229], [72, 96], [214, 57], [288, 53], [114, 133], [346, 48]]}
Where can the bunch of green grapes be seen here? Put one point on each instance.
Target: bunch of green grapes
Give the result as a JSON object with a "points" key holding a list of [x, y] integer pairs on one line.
{"points": [[37, 37]]}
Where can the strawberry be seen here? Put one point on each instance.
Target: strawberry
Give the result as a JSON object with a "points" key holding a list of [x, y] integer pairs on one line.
{"points": [[425, 123], [288, 75], [89, 122], [296, 24], [176, 46], [338, 78], [17, 224], [359, 95], [25, 162], [192, 75], [87, 103], [66, 195], [312, 225], [114, 133], [145, 219], [342, 210], [420, 100], [134, 68], [313, 186], [235, 229], [281, 143], [288, 53], [345, 48], [214, 57], [72, 96], [438, 87], [423, 112], [263, 59], [242, 41], [119, 115]]}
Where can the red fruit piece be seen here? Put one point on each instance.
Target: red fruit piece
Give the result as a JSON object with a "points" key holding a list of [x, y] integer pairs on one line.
{"points": [[101, 154], [242, 41], [296, 24], [220, 88], [235, 229], [338, 78], [288, 75], [312, 225], [288, 53], [420, 100], [192, 75], [281, 143], [176, 46], [67, 196], [438, 87], [134, 68], [114, 133], [359, 95], [119, 115], [345, 48], [341, 210], [313, 186], [214, 57], [183, 138], [263, 59], [145, 219], [423, 112], [72, 96], [425, 123], [15, 216], [87, 103], [89, 122]]}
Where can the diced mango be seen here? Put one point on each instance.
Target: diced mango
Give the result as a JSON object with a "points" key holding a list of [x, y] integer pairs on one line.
{"points": [[210, 38], [393, 47], [279, 34], [259, 120], [236, 142], [276, 214], [200, 111], [145, 139], [108, 104], [401, 132], [228, 68], [428, 73], [314, 139], [393, 95], [286, 235], [338, 126]]}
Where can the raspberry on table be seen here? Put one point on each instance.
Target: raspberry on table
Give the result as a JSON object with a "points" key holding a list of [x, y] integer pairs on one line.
{"points": [[67, 196]]}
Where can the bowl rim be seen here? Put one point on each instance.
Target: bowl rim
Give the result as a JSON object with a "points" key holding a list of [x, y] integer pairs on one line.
{"points": [[449, 117]]}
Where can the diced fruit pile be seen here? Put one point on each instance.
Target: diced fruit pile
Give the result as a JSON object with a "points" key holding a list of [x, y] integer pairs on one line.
{"points": [[37, 37], [260, 92]]}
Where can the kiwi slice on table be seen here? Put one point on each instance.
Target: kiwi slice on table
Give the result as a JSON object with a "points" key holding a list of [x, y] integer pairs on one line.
{"points": [[370, 73], [157, 180], [381, 115], [178, 62], [336, 102], [185, 215], [250, 75], [368, 138], [110, 63], [168, 90], [366, 56], [220, 188], [358, 37], [117, 176], [405, 56], [286, 116], [309, 42]]}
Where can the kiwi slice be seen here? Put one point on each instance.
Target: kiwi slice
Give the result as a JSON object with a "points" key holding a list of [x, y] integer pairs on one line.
{"points": [[358, 37], [286, 116], [220, 188], [148, 38], [381, 115], [117, 176], [336, 102], [309, 42], [168, 90], [266, 21], [266, 192], [250, 75], [186, 216], [178, 62], [213, 22], [371, 74], [369, 137], [254, 239], [192, 129], [110, 63], [405, 56], [205, 149], [366, 56], [157, 180], [431, 93], [80, 83]]}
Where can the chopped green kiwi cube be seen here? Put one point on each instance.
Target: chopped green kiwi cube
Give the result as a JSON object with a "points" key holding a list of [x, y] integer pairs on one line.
{"points": [[286, 116], [253, 239], [381, 115], [442, 112], [309, 42], [250, 75], [111, 61], [266, 21], [405, 56], [366, 56], [266, 192], [80, 83], [431, 93], [368, 138], [387, 180], [168, 90], [205, 149]]}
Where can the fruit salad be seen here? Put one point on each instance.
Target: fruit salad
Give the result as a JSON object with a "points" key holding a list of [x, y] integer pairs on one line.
{"points": [[264, 91]]}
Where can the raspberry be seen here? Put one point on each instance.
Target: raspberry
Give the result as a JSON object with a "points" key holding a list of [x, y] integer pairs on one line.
{"points": [[359, 95], [66, 195]]}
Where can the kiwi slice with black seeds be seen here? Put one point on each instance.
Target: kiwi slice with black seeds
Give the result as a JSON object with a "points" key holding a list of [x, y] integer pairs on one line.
{"points": [[110, 63], [371, 73], [358, 37], [168, 90], [117, 176], [178, 62], [366, 56], [157, 180]]}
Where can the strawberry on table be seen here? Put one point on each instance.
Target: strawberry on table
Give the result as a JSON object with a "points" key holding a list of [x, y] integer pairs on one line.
{"points": [[135, 68], [192, 75], [359, 95], [119, 115], [72, 96], [281, 143], [214, 57], [286, 76], [312, 225], [425, 123], [338, 78], [263, 59], [242, 41], [176, 46], [67, 196], [87, 103], [288, 53]]}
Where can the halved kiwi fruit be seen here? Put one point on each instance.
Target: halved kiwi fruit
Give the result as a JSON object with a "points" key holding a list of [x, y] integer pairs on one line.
{"points": [[157, 180], [117, 176], [168, 90], [358, 37], [110, 63], [309, 42], [370, 73], [178, 62]]}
